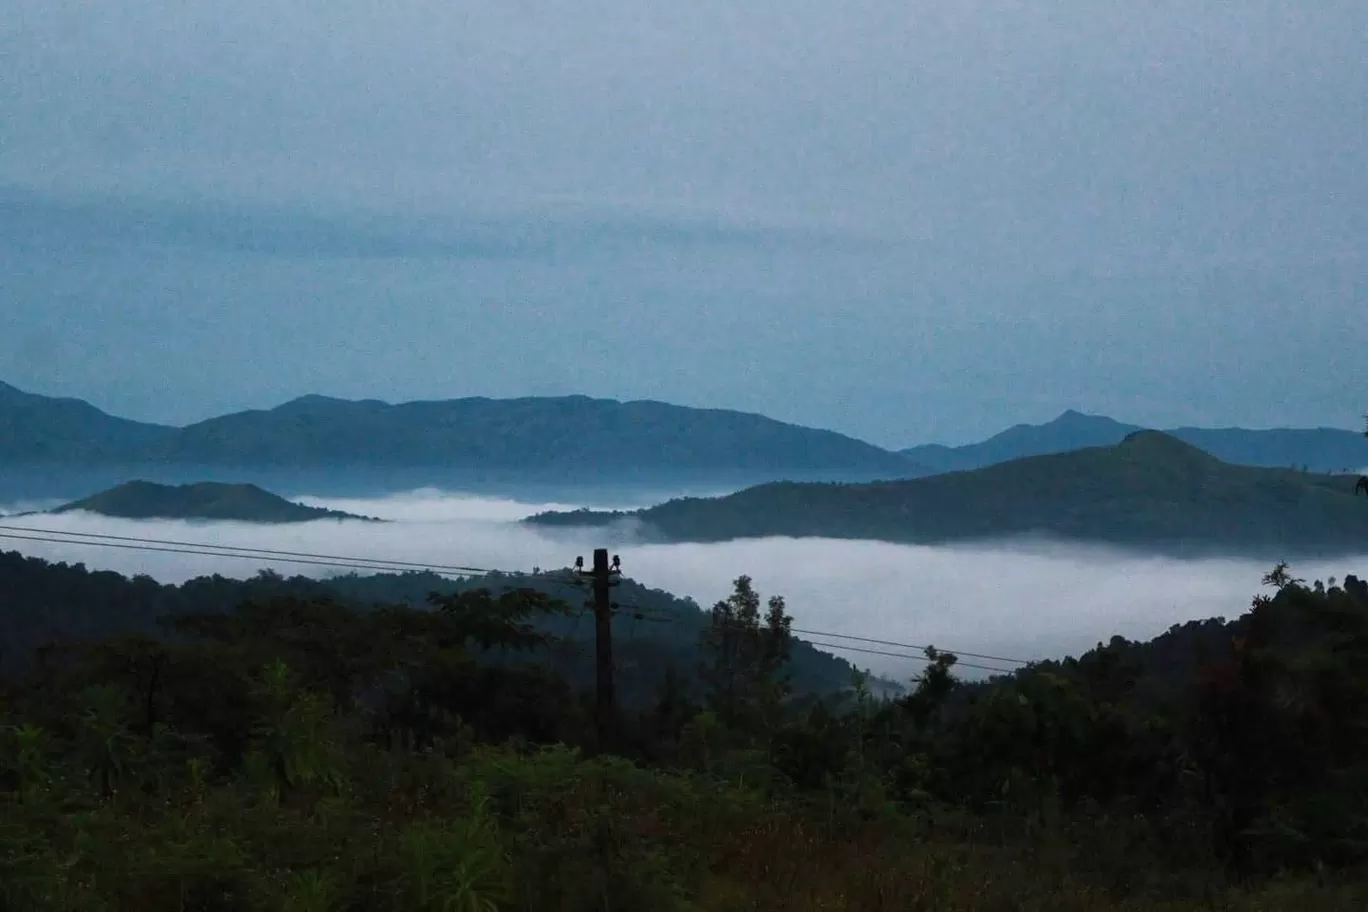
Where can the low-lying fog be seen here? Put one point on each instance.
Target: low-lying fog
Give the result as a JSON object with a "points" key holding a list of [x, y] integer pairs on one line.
{"points": [[1015, 601]]}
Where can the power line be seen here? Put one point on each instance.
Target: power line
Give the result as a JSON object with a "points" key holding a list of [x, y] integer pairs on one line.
{"points": [[972, 655], [903, 655], [878, 642], [373, 565], [843, 647], [205, 553], [204, 549], [350, 561]]}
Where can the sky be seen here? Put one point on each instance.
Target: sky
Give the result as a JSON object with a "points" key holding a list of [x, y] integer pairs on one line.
{"points": [[1015, 603], [906, 220]]}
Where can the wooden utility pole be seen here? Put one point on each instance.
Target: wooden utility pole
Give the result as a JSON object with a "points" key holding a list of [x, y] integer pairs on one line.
{"points": [[603, 577]]}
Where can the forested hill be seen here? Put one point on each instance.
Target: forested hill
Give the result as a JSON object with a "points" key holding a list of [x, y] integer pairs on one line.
{"points": [[202, 501], [42, 601], [1331, 450], [555, 438], [1151, 491]]}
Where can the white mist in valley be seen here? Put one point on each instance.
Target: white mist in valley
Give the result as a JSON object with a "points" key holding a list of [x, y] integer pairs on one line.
{"points": [[1017, 601]]}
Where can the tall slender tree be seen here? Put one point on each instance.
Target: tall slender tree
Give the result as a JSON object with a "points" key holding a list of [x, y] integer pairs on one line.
{"points": [[747, 653]]}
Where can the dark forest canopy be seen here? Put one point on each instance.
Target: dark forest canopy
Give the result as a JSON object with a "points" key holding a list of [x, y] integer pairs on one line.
{"points": [[1151, 492], [42, 601], [293, 751], [200, 501]]}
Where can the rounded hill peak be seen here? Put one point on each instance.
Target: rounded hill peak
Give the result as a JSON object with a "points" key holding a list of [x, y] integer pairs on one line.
{"points": [[1159, 443], [206, 500], [313, 403], [1076, 418]]}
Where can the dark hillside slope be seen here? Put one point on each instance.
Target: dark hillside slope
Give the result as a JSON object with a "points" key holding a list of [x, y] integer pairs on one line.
{"points": [[1151, 491], [43, 429], [42, 602], [573, 434], [1331, 450], [1328, 450], [203, 501], [1070, 431]]}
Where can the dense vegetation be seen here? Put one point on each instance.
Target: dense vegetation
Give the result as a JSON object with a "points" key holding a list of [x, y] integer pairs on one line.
{"points": [[293, 753], [548, 437], [1149, 491], [204, 500], [1329, 450], [42, 601]]}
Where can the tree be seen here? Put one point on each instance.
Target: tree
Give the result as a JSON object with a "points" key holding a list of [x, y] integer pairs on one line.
{"points": [[25, 753], [933, 687], [744, 674], [294, 732], [496, 622], [105, 742], [456, 865]]}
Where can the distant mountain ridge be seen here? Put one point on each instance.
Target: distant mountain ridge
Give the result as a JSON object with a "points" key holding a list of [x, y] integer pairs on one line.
{"points": [[1318, 449], [574, 439], [571, 432], [1150, 491], [203, 501], [573, 436], [37, 428]]}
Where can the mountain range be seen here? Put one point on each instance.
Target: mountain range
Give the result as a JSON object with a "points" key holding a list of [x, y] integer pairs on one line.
{"points": [[1150, 491], [569, 439], [43, 430], [1315, 449], [554, 437]]}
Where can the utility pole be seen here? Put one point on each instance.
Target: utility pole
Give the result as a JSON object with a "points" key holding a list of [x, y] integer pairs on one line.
{"points": [[603, 577]]}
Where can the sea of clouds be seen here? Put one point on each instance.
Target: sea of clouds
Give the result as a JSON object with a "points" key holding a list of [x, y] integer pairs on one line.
{"points": [[1023, 601]]}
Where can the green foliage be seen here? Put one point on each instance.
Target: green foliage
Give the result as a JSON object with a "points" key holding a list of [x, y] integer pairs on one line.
{"points": [[311, 891], [506, 616], [746, 656], [104, 742], [500, 621], [297, 754], [293, 735], [455, 866], [25, 758]]}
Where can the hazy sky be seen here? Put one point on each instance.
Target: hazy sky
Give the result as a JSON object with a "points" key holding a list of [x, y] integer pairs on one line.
{"points": [[905, 220]]}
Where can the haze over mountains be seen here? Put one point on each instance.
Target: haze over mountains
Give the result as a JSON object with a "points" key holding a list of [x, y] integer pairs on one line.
{"points": [[1151, 492], [44, 429], [573, 438], [67, 448], [1317, 449]]}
